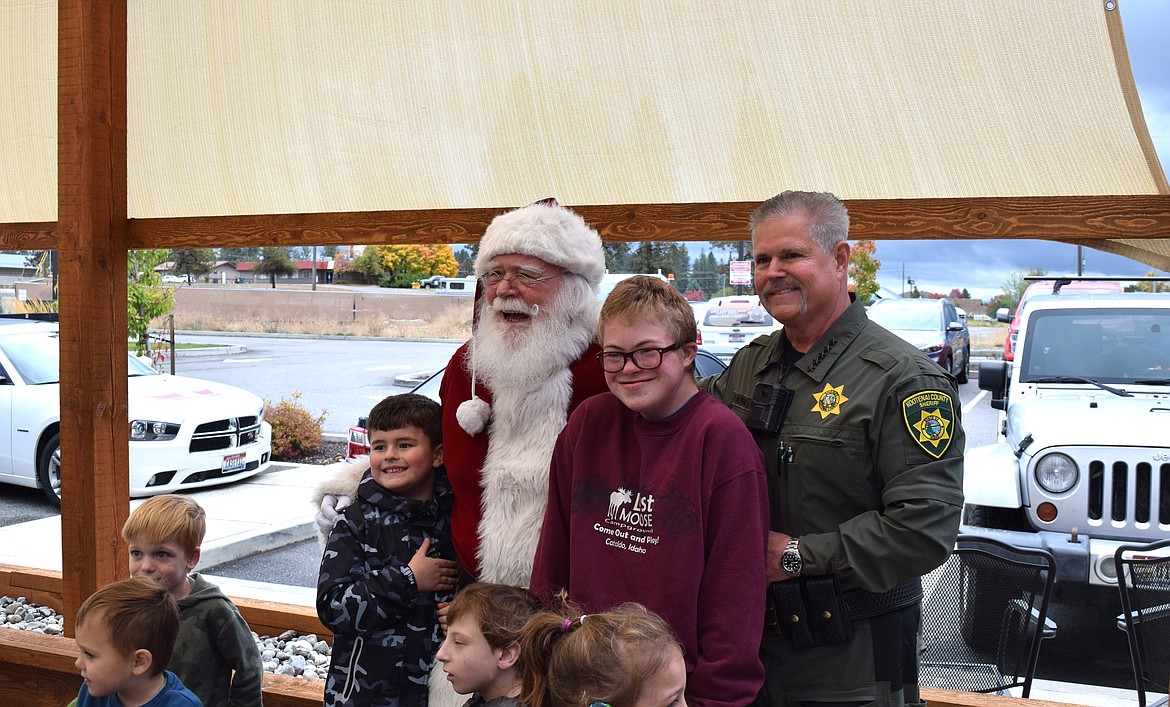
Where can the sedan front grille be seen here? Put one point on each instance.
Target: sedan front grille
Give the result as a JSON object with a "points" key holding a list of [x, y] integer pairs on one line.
{"points": [[225, 434]]}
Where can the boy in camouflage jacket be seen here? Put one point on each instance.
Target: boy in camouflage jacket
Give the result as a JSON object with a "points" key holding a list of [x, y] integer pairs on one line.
{"points": [[382, 574]]}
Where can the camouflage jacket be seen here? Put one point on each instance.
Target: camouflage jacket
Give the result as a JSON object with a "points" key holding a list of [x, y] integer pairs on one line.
{"points": [[385, 632]]}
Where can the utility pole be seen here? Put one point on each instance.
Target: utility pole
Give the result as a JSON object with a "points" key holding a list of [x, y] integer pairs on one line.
{"points": [[1080, 262]]}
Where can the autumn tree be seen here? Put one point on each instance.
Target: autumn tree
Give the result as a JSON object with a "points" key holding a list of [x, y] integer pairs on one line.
{"points": [[1014, 286], [863, 268]]}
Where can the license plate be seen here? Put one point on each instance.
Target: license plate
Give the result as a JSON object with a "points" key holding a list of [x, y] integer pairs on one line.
{"points": [[735, 338], [234, 462]]}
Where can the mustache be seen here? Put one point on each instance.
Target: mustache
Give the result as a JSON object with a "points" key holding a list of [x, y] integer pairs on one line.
{"points": [[514, 305], [772, 286]]}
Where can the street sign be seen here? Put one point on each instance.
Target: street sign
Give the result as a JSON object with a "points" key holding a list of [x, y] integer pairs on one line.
{"points": [[741, 272]]}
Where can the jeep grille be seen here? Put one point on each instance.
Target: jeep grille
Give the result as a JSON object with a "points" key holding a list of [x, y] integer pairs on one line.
{"points": [[226, 434], [1129, 495]]}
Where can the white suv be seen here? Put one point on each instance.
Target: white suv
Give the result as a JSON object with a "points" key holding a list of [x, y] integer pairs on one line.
{"points": [[1083, 461]]}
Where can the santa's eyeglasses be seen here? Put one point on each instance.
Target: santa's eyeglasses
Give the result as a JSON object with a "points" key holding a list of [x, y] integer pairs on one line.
{"points": [[521, 280], [646, 359]]}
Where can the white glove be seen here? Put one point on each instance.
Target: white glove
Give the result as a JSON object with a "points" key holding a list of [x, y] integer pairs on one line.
{"points": [[331, 506]]}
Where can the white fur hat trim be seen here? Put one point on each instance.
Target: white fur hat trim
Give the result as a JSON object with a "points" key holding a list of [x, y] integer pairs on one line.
{"points": [[550, 232], [473, 415]]}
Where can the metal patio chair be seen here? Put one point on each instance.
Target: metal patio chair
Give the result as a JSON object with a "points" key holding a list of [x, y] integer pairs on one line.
{"points": [[1143, 580], [984, 614]]}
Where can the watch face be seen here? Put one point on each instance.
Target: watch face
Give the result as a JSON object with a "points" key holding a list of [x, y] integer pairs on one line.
{"points": [[790, 562]]}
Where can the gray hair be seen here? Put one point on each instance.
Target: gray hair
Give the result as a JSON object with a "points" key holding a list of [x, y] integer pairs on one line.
{"points": [[828, 219]]}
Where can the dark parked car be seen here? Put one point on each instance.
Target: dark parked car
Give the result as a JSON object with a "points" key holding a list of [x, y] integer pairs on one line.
{"points": [[706, 364], [933, 325]]}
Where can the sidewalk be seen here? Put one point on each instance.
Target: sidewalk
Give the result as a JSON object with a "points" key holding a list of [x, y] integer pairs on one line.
{"points": [[272, 510], [262, 513]]}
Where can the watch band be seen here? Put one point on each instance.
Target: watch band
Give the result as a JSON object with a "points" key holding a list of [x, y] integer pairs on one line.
{"points": [[791, 562]]}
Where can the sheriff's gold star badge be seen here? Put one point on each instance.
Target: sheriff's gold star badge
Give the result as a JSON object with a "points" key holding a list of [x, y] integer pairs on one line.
{"points": [[829, 401]]}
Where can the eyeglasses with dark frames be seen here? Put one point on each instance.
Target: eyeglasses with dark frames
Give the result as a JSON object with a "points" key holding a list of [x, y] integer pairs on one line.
{"points": [[518, 279], [646, 359]]}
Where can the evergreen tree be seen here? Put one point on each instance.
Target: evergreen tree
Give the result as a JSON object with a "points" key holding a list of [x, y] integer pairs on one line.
{"points": [[275, 261], [240, 255], [192, 262], [466, 261], [617, 256]]}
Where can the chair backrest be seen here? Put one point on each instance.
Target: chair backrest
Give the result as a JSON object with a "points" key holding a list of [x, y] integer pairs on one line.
{"points": [[983, 616], [1143, 579]]}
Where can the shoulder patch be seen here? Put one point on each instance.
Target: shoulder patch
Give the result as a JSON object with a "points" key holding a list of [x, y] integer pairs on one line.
{"points": [[930, 417]]}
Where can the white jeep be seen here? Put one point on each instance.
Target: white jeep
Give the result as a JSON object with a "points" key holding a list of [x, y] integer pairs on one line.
{"points": [[1082, 462]]}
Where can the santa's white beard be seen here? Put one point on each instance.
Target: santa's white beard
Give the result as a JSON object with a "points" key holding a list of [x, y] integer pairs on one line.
{"points": [[523, 356], [527, 369]]}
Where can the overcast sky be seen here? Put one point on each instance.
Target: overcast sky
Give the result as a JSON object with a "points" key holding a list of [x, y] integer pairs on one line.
{"points": [[983, 266]]}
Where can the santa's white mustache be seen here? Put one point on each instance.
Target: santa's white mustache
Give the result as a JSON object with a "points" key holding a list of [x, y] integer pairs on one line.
{"points": [[513, 305]]}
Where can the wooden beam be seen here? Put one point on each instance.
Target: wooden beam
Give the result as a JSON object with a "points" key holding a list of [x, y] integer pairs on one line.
{"points": [[1062, 218], [91, 235], [1045, 218], [28, 236]]}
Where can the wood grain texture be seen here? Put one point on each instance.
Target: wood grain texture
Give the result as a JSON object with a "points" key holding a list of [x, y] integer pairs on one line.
{"points": [[91, 235]]}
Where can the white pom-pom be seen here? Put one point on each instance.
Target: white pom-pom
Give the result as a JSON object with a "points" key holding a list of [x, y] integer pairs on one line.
{"points": [[473, 415]]}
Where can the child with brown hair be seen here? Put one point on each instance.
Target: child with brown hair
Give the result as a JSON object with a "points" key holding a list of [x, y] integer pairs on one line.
{"points": [[627, 657], [383, 572], [215, 653], [482, 648], [657, 495], [125, 635]]}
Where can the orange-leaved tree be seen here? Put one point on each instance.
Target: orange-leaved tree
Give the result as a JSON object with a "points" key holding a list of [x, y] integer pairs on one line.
{"points": [[863, 268]]}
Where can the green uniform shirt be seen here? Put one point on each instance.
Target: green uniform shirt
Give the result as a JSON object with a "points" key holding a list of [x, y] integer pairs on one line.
{"points": [[867, 468]]}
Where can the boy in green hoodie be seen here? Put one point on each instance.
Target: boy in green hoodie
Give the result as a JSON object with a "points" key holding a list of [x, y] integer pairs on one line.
{"points": [[215, 654]]}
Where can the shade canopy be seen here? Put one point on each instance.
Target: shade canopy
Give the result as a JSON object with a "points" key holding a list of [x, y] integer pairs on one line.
{"points": [[294, 107]]}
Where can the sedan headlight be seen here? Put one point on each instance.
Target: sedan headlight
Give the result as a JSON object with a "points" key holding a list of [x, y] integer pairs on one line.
{"points": [[1056, 473], [152, 431]]}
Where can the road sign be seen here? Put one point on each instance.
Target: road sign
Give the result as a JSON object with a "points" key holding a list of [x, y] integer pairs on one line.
{"points": [[741, 272]]}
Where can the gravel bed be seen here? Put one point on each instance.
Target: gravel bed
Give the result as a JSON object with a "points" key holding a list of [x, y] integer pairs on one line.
{"points": [[290, 653]]}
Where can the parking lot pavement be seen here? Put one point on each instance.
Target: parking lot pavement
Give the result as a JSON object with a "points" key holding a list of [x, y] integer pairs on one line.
{"points": [[266, 511]]}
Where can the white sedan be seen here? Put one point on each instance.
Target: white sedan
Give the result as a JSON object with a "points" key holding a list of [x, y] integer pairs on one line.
{"points": [[727, 324], [184, 432]]}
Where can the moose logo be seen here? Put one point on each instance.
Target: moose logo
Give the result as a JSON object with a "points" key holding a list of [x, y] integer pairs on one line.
{"points": [[617, 499]]}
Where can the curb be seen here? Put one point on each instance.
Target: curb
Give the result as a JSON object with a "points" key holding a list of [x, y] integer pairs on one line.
{"points": [[236, 548], [410, 380], [210, 351]]}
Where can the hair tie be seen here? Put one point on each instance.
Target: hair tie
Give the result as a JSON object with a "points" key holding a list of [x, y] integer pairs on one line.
{"points": [[583, 619], [565, 626]]}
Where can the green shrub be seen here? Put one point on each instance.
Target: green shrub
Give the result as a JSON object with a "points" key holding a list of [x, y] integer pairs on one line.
{"points": [[295, 431]]}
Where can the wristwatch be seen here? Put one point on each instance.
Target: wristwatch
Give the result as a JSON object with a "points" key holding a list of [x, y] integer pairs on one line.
{"points": [[790, 560]]}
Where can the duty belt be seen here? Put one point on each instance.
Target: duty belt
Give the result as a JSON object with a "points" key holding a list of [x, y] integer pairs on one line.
{"points": [[863, 605]]}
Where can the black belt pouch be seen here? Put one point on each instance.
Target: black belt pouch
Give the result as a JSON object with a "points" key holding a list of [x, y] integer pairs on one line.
{"points": [[811, 611]]}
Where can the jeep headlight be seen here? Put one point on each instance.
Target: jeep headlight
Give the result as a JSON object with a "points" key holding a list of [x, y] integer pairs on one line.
{"points": [[1056, 473], [152, 431]]}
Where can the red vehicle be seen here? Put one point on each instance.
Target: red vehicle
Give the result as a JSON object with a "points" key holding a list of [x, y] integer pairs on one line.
{"points": [[1045, 287]]}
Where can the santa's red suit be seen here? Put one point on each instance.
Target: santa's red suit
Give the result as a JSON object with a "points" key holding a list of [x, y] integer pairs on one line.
{"points": [[500, 476]]}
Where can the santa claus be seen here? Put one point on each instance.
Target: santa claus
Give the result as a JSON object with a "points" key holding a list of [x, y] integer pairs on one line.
{"points": [[508, 391]]}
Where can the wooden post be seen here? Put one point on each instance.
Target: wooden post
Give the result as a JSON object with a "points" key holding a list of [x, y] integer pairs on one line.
{"points": [[92, 237]]}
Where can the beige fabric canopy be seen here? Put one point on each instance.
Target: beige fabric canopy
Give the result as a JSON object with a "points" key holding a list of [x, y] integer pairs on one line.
{"points": [[295, 106]]}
